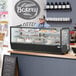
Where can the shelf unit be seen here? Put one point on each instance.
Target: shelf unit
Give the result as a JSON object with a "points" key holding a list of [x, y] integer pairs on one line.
{"points": [[56, 13], [58, 6]]}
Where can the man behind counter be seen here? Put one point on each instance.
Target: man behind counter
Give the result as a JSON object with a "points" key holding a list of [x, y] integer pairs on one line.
{"points": [[42, 23]]}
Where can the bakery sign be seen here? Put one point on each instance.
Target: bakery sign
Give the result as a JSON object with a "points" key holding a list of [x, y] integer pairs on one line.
{"points": [[27, 9]]}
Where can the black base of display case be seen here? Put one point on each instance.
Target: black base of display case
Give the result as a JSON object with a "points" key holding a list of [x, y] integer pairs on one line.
{"points": [[74, 50], [39, 48]]}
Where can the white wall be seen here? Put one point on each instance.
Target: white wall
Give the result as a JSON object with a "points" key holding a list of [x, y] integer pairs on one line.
{"points": [[15, 20]]}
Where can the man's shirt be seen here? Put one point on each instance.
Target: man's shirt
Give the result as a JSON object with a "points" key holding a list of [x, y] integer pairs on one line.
{"points": [[44, 25]]}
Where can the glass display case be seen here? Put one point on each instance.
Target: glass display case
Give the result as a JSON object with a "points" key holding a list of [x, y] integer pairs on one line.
{"points": [[47, 40]]}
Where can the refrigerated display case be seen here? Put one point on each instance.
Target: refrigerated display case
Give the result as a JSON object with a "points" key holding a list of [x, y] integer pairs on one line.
{"points": [[73, 39], [46, 40]]}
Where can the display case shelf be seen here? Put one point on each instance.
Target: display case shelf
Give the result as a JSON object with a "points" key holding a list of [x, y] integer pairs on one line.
{"points": [[58, 10], [58, 6], [65, 20]]}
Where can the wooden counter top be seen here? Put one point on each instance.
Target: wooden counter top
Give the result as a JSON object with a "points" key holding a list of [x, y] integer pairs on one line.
{"points": [[44, 54]]}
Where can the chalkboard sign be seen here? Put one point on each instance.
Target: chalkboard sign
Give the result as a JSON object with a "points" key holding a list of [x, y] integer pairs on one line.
{"points": [[10, 64]]}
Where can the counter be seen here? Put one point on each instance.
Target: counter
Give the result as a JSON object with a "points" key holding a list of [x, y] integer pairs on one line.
{"points": [[43, 54], [42, 64]]}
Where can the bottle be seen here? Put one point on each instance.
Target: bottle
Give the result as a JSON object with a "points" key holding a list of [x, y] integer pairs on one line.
{"points": [[64, 5], [56, 5], [60, 6], [68, 5], [51, 5], [47, 5]]}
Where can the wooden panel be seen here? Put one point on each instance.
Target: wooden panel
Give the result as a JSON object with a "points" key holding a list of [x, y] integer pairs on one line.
{"points": [[44, 54]]}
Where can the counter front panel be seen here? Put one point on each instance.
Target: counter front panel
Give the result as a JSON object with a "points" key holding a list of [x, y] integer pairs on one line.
{"points": [[50, 65]]}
